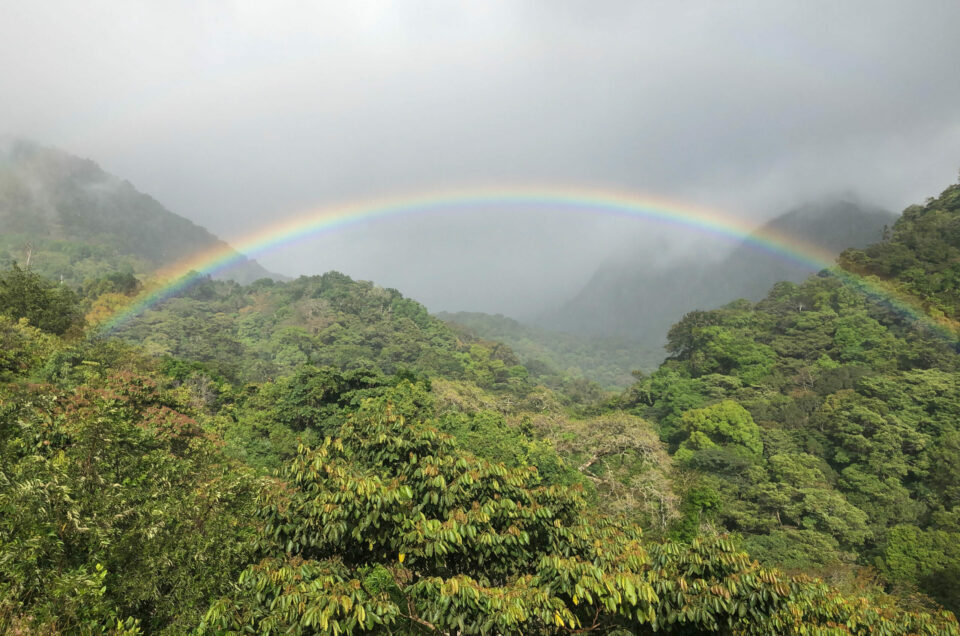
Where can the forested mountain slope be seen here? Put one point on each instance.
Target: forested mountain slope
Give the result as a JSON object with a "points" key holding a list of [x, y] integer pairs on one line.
{"points": [[608, 361], [922, 255], [270, 328], [69, 219], [132, 501], [822, 425], [637, 297], [323, 456]]}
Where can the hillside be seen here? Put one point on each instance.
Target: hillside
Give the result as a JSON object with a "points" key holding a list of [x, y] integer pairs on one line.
{"points": [[635, 297], [832, 226], [921, 254], [358, 465], [822, 426], [125, 474], [269, 329], [608, 361], [69, 219]]}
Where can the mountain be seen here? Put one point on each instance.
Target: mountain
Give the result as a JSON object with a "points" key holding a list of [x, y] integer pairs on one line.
{"points": [[268, 329], [65, 217], [833, 226], [820, 423], [422, 475], [609, 361], [824, 438], [134, 500], [634, 296], [921, 256]]}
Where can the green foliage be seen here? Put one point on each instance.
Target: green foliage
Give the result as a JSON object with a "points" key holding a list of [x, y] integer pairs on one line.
{"points": [[929, 559], [47, 306], [798, 549], [850, 426], [723, 424], [121, 513], [622, 459], [388, 526], [22, 348], [425, 482], [727, 352], [555, 357], [266, 423], [262, 331], [488, 435], [122, 282], [921, 256], [312, 396], [116, 509]]}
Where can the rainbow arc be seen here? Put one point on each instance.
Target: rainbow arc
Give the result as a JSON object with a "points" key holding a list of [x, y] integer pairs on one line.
{"points": [[314, 222]]}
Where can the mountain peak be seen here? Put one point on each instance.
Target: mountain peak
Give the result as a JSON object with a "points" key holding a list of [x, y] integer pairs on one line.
{"points": [[50, 196], [641, 299], [833, 223]]}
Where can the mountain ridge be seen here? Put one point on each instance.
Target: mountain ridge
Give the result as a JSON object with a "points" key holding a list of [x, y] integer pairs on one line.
{"points": [[609, 361], [804, 425], [51, 200], [610, 305]]}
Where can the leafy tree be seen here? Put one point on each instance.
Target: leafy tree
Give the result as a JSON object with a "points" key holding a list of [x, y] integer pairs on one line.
{"points": [[721, 350], [927, 559], [116, 511], [946, 458], [390, 527], [21, 348], [922, 254], [47, 306], [624, 460], [722, 424]]}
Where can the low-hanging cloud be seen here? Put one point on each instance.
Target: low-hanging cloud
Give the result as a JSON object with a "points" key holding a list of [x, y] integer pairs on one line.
{"points": [[237, 115]]}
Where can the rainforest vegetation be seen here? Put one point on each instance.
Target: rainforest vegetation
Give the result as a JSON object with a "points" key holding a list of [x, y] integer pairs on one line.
{"points": [[609, 361], [324, 456]]}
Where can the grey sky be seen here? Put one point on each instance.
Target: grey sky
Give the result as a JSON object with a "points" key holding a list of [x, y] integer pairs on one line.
{"points": [[237, 114]]}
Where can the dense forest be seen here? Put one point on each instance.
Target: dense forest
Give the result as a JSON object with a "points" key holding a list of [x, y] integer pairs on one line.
{"points": [[638, 294], [324, 456], [609, 361], [821, 426]]}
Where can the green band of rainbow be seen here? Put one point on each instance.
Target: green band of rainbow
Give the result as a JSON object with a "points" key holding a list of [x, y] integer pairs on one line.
{"points": [[580, 200]]}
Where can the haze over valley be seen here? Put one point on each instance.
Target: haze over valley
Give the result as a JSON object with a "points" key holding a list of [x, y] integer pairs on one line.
{"points": [[236, 120], [509, 318], [623, 311]]}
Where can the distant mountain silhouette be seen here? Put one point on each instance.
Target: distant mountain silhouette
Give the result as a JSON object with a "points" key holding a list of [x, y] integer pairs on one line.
{"points": [[607, 361], [49, 197], [635, 297]]}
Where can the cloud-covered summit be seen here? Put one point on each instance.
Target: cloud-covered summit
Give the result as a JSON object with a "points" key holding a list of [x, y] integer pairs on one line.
{"points": [[236, 115]]}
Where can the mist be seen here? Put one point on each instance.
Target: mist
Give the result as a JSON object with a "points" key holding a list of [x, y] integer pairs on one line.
{"points": [[240, 115]]}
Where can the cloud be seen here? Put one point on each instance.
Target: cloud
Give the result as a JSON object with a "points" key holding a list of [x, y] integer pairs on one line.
{"points": [[237, 114]]}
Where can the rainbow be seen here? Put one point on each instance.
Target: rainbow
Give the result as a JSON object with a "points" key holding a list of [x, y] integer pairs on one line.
{"points": [[300, 227]]}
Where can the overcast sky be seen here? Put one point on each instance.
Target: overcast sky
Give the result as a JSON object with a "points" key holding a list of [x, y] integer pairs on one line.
{"points": [[237, 114]]}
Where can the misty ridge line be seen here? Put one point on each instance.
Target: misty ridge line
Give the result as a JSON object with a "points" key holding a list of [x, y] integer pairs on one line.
{"points": [[172, 278], [262, 112], [304, 226]]}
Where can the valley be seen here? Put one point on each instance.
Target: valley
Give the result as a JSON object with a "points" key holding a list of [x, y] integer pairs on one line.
{"points": [[324, 455]]}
